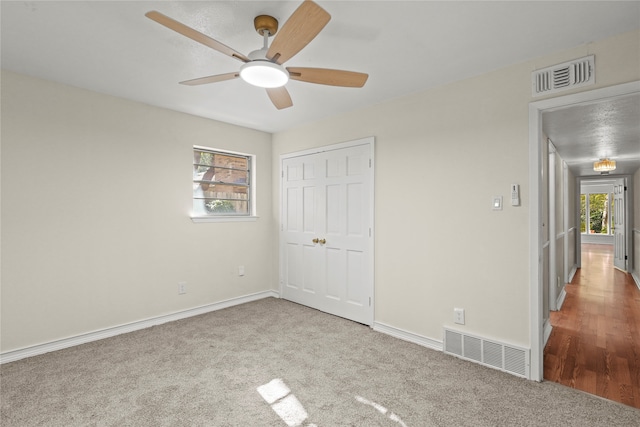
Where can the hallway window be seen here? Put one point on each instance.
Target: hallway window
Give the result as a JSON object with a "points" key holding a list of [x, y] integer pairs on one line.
{"points": [[595, 207], [583, 213]]}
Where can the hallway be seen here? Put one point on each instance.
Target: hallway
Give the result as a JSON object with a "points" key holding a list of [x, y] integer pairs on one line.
{"points": [[595, 342]]}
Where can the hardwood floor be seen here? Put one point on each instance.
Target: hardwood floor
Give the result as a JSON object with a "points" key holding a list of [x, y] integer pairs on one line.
{"points": [[595, 342]]}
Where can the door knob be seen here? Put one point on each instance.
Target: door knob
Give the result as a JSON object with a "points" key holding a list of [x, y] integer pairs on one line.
{"points": [[322, 241], [315, 240]]}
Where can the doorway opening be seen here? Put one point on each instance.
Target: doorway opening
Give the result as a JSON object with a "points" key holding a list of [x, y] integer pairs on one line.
{"points": [[539, 242]]}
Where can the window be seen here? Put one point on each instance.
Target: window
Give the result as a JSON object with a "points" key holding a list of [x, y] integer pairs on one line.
{"points": [[583, 213], [596, 207], [221, 183]]}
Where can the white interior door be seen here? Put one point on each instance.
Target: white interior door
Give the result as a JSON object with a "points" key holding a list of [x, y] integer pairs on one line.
{"points": [[619, 220], [326, 231]]}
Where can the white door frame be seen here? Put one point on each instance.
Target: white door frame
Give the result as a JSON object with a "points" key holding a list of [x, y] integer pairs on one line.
{"points": [[370, 142], [553, 233], [536, 109]]}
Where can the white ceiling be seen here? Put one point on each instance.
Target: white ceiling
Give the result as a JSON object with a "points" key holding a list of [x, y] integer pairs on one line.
{"points": [[405, 46], [585, 133]]}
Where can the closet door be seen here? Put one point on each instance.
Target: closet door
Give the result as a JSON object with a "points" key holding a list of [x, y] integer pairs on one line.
{"points": [[326, 232]]}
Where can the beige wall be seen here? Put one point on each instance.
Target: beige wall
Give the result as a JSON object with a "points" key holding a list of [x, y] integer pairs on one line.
{"points": [[440, 157], [96, 197]]}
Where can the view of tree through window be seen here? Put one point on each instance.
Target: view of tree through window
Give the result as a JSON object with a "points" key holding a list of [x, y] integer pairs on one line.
{"points": [[220, 183], [596, 206], [583, 213], [598, 213]]}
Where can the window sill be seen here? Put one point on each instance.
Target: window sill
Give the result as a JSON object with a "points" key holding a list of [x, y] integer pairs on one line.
{"points": [[200, 219]]}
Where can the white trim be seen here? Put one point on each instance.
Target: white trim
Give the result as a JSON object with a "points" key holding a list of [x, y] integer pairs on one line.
{"points": [[551, 218], [597, 239], [408, 336], [635, 233], [565, 220], [547, 330], [203, 219], [369, 140], [252, 189], [572, 273], [535, 243], [535, 266], [636, 279], [570, 268], [12, 356], [561, 297], [578, 221]]}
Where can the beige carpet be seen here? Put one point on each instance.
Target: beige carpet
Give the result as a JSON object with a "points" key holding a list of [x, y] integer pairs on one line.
{"points": [[275, 363]]}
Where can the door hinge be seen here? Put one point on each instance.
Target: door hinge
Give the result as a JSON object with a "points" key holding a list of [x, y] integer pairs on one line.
{"points": [[369, 162], [369, 301], [282, 174], [626, 257], [369, 231]]}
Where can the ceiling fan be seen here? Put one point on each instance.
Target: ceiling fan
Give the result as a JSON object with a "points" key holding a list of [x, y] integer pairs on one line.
{"points": [[263, 67]]}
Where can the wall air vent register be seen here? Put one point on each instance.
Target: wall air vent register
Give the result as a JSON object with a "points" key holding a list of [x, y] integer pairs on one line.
{"points": [[565, 76], [504, 357]]}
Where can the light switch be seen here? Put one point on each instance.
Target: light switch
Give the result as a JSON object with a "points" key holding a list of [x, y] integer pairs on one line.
{"points": [[497, 203]]}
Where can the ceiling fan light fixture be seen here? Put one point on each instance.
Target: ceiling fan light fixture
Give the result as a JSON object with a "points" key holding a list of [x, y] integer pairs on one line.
{"points": [[604, 165], [264, 74]]}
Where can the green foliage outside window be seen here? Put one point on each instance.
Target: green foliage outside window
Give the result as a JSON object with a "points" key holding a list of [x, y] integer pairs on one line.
{"points": [[220, 206], [583, 213], [598, 213]]}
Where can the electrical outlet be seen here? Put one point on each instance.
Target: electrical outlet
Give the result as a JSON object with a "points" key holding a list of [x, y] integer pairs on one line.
{"points": [[182, 288], [458, 316], [241, 270]]}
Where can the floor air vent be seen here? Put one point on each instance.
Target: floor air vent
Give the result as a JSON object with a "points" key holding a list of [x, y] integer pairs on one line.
{"points": [[505, 357], [569, 75]]}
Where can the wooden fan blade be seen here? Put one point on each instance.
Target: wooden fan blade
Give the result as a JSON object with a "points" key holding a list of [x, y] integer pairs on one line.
{"points": [[280, 97], [211, 79], [178, 27], [325, 76], [301, 27]]}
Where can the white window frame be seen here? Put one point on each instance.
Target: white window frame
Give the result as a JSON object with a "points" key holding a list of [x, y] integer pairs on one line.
{"points": [[251, 216], [595, 188]]}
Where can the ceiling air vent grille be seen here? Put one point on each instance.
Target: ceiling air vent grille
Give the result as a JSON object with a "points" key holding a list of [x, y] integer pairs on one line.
{"points": [[572, 74]]}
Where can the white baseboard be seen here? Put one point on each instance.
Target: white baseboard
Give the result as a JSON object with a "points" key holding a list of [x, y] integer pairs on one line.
{"points": [[572, 273], [636, 278], [561, 297], [547, 331], [408, 336], [12, 356]]}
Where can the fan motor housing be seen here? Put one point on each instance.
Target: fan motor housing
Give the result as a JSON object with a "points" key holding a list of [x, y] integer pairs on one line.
{"points": [[264, 23]]}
